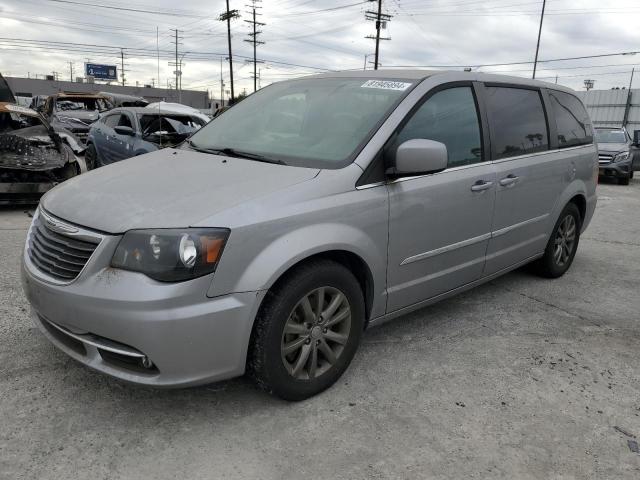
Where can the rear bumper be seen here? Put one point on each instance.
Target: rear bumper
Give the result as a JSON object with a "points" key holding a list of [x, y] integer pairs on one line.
{"points": [[122, 324]]}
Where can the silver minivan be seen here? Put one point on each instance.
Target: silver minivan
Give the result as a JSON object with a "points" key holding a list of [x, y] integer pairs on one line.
{"points": [[311, 210]]}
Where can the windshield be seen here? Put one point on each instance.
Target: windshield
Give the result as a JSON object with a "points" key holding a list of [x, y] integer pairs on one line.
{"points": [[610, 136], [318, 123], [168, 129], [83, 104], [169, 124]]}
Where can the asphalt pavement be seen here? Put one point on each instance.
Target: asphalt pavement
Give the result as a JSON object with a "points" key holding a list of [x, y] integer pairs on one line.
{"points": [[521, 378]]}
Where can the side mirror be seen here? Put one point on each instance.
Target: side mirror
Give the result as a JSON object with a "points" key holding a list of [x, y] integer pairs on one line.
{"points": [[636, 138], [122, 130], [420, 156]]}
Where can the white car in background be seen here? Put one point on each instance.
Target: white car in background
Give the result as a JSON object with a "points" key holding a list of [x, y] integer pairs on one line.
{"points": [[178, 107]]}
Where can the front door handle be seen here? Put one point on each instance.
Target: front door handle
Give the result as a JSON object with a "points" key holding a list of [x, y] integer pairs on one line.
{"points": [[481, 185], [509, 180]]}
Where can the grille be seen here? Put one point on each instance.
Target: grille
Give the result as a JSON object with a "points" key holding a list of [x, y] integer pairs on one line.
{"points": [[602, 159], [59, 256]]}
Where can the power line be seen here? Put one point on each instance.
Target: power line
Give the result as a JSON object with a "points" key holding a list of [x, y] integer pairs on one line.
{"points": [[128, 9]]}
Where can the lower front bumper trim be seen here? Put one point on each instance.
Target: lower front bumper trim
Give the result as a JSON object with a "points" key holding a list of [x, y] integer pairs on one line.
{"points": [[99, 342]]}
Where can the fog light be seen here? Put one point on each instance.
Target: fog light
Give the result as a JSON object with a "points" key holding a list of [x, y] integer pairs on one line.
{"points": [[146, 363]]}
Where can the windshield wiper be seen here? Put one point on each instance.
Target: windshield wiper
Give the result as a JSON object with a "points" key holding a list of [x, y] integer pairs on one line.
{"points": [[232, 152]]}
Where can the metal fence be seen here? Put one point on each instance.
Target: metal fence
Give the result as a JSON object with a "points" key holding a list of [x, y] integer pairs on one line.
{"points": [[613, 108]]}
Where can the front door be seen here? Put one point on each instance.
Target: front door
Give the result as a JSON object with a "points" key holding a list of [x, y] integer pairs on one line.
{"points": [[440, 224], [122, 145]]}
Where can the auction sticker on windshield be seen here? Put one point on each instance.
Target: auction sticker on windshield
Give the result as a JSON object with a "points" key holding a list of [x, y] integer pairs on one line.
{"points": [[386, 85]]}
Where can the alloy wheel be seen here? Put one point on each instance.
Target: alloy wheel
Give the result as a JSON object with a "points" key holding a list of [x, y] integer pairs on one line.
{"points": [[565, 240], [316, 333]]}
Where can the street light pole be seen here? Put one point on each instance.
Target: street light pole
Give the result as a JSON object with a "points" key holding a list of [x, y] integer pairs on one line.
{"points": [[535, 62]]}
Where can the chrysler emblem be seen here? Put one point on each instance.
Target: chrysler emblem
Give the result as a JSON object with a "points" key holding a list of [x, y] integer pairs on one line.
{"points": [[57, 225]]}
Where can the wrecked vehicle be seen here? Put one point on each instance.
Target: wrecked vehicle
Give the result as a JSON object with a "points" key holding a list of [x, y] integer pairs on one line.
{"points": [[75, 111], [128, 132], [33, 156], [122, 100]]}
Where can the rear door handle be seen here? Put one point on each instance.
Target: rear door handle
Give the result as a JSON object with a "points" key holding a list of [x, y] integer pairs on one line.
{"points": [[509, 180], [481, 185]]}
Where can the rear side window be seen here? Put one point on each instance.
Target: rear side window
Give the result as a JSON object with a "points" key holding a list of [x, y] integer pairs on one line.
{"points": [[572, 120], [517, 121], [112, 120], [450, 117]]}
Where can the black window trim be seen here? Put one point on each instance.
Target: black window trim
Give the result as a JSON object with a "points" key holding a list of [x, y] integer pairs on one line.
{"points": [[543, 100]]}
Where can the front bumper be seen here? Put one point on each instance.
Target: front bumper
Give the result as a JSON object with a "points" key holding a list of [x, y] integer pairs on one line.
{"points": [[136, 329], [615, 169]]}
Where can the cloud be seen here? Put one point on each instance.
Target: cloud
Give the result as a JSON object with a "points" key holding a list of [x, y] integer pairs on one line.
{"points": [[452, 32]]}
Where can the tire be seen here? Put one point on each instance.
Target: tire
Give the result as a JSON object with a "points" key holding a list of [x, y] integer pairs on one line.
{"points": [[552, 264], [631, 174], [91, 157], [295, 364], [624, 180]]}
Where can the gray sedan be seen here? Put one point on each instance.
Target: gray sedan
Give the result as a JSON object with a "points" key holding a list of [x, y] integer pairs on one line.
{"points": [[128, 132]]}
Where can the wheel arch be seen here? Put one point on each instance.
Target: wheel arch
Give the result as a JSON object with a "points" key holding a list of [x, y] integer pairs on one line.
{"points": [[575, 193], [581, 202], [353, 262]]}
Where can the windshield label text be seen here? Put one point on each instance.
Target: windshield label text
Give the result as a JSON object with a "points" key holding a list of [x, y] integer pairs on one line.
{"points": [[386, 85]]}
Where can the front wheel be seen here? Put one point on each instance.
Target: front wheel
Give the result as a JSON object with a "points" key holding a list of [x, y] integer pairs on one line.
{"points": [[308, 330], [624, 180], [562, 245], [91, 157]]}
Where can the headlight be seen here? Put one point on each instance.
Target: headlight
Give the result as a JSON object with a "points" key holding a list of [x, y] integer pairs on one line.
{"points": [[621, 156], [171, 255]]}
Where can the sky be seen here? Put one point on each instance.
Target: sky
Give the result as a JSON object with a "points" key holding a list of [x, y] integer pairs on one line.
{"points": [[308, 36]]}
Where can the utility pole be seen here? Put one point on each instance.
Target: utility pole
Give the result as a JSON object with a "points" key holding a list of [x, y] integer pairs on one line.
{"points": [[228, 16], [535, 62], [253, 39], [627, 107], [122, 65], [381, 20], [221, 85], [177, 65], [70, 71]]}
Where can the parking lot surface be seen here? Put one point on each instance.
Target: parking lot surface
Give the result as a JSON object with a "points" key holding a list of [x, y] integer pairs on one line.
{"points": [[521, 378]]}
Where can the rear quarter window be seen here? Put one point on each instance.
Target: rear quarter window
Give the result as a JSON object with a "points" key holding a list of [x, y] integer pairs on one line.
{"points": [[572, 121]]}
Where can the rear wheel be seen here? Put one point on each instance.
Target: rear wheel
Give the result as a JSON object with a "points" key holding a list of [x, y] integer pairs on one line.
{"points": [[308, 330], [562, 245]]}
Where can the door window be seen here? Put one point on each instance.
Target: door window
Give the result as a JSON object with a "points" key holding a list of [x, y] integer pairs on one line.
{"points": [[124, 121], [448, 116], [572, 120], [517, 121], [112, 120]]}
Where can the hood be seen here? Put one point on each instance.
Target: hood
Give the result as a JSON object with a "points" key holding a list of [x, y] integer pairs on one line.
{"points": [[166, 189], [6, 95], [612, 147]]}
